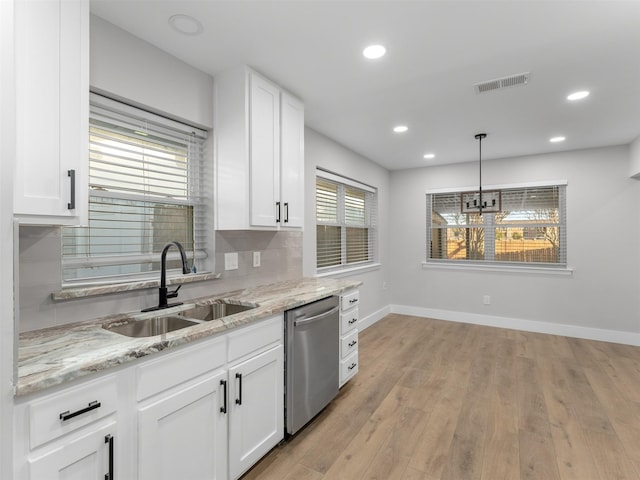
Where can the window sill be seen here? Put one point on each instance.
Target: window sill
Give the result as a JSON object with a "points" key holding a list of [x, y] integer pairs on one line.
{"points": [[526, 270], [90, 291], [347, 271]]}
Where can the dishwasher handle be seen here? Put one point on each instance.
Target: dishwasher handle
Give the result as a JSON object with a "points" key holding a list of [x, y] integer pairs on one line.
{"points": [[316, 318]]}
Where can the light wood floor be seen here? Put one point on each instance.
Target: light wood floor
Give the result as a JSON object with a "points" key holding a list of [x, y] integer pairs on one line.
{"points": [[440, 400]]}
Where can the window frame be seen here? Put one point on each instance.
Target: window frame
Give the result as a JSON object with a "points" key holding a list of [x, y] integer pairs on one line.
{"points": [[199, 198], [560, 268], [370, 223]]}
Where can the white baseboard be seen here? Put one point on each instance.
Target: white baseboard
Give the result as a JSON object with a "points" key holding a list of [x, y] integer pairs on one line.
{"points": [[576, 331], [369, 320]]}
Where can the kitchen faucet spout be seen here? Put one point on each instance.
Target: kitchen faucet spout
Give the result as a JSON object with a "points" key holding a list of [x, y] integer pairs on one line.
{"points": [[163, 294]]}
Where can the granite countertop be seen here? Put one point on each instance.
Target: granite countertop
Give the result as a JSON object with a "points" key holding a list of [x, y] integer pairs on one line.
{"points": [[56, 355]]}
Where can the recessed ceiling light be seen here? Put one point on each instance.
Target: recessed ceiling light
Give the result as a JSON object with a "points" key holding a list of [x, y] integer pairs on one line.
{"points": [[429, 155], [374, 51], [185, 24], [400, 129], [557, 139], [578, 95]]}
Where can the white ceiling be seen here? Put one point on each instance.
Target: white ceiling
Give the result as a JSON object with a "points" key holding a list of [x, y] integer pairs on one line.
{"points": [[436, 51]]}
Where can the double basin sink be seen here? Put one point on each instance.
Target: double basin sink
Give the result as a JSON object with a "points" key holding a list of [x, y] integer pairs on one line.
{"points": [[165, 323]]}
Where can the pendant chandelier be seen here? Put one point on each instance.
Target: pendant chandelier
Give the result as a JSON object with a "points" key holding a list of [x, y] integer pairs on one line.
{"points": [[488, 201]]}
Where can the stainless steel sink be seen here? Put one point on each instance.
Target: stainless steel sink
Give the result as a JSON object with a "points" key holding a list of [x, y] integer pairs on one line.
{"points": [[214, 311], [149, 327]]}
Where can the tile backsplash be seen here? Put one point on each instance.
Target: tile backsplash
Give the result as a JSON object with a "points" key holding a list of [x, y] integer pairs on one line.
{"points": [[40, 274]]}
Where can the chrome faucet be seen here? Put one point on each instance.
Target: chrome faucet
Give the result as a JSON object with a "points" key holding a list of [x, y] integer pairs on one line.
{"points": [[163, 294]]}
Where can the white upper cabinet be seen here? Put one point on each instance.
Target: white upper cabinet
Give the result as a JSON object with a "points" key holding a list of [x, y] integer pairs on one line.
{"points": [[52, 111], [264, 151], [259, 132], [292, 160]]}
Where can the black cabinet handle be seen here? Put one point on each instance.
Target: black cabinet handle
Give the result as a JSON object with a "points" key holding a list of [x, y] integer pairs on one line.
{"points": [[352, 344], [72, 176], [353, 300], [109, 439], [223, 408], [352, 321], [277, 212], [352, 366], [286, 212], [68, 415], [239, 399]]}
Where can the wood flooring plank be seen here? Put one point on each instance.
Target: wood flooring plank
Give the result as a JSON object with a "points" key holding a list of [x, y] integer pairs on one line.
{"points": [[609, 456], [501, 453], [623, 413], [432, 448], [572, 451], [393, 457], [300, 472], [358, 455], [537, 457], [532, 410], [536, 449]]}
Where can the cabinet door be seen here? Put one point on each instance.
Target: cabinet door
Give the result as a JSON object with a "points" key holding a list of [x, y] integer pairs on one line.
{"points": [[88, 457], [291, 160], [52, 105], [184, 435], [264, 151], [256, 421]]}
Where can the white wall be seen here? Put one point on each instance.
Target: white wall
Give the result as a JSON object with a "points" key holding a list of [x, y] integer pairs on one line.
{"points": [[600, 300], [133, 70], [321, 151], [7, 156]]}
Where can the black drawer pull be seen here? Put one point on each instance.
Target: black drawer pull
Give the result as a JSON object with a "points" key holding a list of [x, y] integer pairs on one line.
{"points": [[352, 321], [239, 399], [223, 408], [352, 366], [352, 344], [68, 415], [72, 177], [109, 439], [353, 300]]}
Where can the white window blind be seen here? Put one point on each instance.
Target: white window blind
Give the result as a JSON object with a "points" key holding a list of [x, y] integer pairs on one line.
{"points": [[529, 228], [147, 187], [346, 218]]}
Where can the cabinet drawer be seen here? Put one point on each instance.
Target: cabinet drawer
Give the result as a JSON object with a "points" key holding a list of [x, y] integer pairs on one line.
{"points": [[175, 368], [349, 344], [64, 412], [348, 367], [349, 300], [348, 321], [256, 337]]}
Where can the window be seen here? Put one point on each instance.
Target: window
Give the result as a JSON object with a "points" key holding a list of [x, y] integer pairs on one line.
{"points": [[346, 215], [146, 188], [528, 228]]}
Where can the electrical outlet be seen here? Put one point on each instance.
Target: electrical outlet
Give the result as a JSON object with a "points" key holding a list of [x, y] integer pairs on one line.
{"points": [[256, 259], [487, 300], [231, 261]]}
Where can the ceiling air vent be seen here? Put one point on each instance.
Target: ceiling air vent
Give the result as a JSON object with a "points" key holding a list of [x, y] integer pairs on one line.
{"points": [[504, 82]]}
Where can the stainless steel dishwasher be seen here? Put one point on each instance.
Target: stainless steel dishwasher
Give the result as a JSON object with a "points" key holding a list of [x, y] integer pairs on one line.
{"points": [[311, 360]]}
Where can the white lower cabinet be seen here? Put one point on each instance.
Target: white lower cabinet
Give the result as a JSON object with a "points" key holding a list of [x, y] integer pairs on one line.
{"points": [[206, 411], [69, 435], [87, 457], [348, 335], [256, 418], [184, 434]]}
